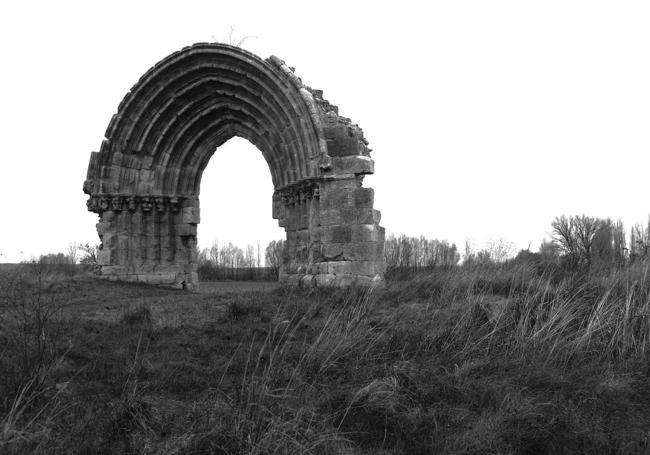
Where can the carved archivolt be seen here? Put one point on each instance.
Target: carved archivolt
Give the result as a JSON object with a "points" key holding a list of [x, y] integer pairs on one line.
{"points": [[161, 139]]}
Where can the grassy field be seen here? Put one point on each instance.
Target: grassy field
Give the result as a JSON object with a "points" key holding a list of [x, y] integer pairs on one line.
{"points": [[490, 359]]}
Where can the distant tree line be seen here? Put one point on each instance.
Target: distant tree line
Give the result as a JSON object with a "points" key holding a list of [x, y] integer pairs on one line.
{"points": [[231, 262], [586, 243], [77, 257], [405, 255], [219, 262], [577, 243], [495, 252]]}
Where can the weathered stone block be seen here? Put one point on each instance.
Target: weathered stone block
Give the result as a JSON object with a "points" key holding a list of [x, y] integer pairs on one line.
{"points": [[112, 270], [146, 268], [191, 202], [191, 215], [353, 165], [334, 132], [185, 229], [363, 251], [342, 146], [363, 197], [324, 280], [331, 186], [364, 281], [108, 216], [317, 268], [293, 280], [348, 215], [278, 210], [332, 251], [302, 236], [338, 216], [307, 281], [104, 257], [344, 281], [103, 227], [336, 199], [339, 267], [367, 268], [333, 234], [330, 217], [364, 233], [368, 216]]}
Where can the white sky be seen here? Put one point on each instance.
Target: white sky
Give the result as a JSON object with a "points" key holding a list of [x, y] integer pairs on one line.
{"points": [[487, 119]]}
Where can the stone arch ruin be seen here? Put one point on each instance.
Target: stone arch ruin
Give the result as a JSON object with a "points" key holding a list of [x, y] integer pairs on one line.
{"points": [[144, 181]]}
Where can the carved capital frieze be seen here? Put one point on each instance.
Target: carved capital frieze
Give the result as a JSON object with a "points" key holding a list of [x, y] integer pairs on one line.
{"points": [[116, 203], [298, 193], [174, 204], [161, 204], [104, 202], [93, 204], [146, 204], [132, 203], [100, 203]]}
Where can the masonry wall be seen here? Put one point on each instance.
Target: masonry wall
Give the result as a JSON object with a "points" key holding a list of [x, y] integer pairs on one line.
{"points": [[333, 235], [148, 239], [144, 180]]}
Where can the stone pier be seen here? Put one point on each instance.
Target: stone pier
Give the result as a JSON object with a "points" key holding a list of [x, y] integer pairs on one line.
{"points": [[144, 181]]}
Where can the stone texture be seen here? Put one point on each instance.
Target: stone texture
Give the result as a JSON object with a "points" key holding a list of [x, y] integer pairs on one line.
{"points": [[144, 181]]}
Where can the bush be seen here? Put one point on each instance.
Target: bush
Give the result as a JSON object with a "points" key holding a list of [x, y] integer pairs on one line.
{"points": [[32, 353]]}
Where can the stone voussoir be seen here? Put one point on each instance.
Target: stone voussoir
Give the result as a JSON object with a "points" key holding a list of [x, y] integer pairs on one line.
{"points": [[144, 182]]}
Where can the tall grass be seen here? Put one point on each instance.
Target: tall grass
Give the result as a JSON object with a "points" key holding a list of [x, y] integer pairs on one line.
{"points": [[271, 408], [514, 311], [30, 355], [482, 359]]}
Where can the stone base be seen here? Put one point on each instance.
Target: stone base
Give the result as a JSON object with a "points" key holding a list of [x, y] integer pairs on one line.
{"points": [[169, 275], [332, 281]]}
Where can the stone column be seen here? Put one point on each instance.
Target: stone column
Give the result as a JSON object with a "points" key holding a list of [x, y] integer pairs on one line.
{"points": [[149, 239], [351, 239], [333, 233]]}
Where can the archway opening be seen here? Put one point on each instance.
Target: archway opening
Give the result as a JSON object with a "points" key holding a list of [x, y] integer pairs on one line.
{"points": [[236, 226], [144, 181]]}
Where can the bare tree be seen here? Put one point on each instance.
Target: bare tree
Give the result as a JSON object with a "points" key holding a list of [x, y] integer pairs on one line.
{"points": [[72, 253], [90, 253], [619, 245], [586, 228], [602, 249], [639, 241], [575, 236], [549, 250], [565, 237], [249, 256], [469, 255], [273, 256], [415, 253], [500, 250]]}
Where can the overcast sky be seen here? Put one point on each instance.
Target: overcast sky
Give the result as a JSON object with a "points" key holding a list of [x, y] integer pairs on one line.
{"points": [[486, 118]]}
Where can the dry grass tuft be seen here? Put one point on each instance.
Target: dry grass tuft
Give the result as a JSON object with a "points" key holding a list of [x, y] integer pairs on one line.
{"points": [[481, 359]]}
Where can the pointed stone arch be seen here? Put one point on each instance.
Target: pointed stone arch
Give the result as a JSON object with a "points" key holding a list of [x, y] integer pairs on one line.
{"points": [[144, 181]]}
